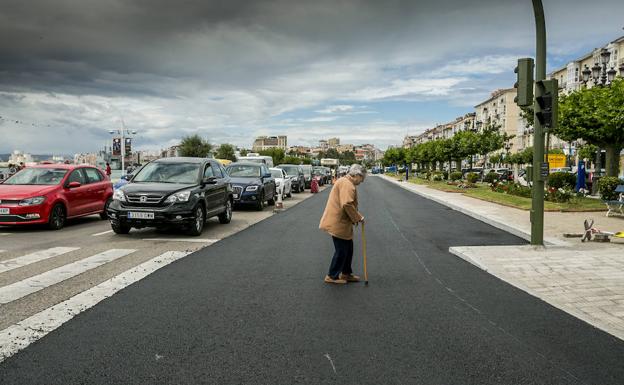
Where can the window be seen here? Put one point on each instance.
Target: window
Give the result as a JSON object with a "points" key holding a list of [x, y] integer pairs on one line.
{"points": [[217, 171], [93, 175], [208, 173], [76, 176]]}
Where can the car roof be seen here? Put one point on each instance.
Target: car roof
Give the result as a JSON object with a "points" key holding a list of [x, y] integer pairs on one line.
{"points": [[246, 164], [182, 159], [61, 166], [288, 164]]}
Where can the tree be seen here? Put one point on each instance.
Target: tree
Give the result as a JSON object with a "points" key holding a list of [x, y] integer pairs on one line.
{"points": [[491, 140], [243, 152], [306, 161], [226, 151], [331, 153], [587, 151], [194, 146], [291, 160], [468, 145], [595, 115], [276, 153], [348, 157]]}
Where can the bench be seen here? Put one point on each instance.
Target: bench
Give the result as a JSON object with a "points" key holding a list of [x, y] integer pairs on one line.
{"points": [[616, 207]]}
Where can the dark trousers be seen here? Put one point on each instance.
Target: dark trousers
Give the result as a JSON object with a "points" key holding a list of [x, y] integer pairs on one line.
{"points": [[341, 262]]}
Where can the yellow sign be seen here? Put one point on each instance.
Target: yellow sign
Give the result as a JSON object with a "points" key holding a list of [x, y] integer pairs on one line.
{"points": [[556, 161]]}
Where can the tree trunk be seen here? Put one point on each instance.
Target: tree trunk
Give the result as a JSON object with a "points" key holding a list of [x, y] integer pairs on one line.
{"points": [[613, 159]]}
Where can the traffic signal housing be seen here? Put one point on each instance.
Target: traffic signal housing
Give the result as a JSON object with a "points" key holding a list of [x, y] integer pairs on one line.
{"points": [[547, 101], [524, 84]]}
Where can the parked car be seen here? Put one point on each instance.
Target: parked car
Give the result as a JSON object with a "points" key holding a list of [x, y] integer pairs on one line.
{"points": [[266, 160], [173, 192], [505, 174], [252, 184], [283, 183], [307, 174], [52, 194], [295, 173]]}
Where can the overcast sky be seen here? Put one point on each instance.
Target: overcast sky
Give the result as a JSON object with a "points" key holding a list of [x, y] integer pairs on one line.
{"points": [[367, 71]]}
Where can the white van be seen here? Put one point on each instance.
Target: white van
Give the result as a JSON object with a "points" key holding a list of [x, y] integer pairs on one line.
{"points": [[257, 159]]}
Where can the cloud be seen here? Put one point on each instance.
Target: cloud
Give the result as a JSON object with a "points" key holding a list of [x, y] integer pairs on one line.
{"points": [[231, 70]]}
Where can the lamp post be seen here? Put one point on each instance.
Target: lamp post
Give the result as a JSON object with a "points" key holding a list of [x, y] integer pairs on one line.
{"points": [[123, 132]]}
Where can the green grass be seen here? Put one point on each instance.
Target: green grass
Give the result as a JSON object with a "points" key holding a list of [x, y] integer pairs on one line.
{"points": [[483, 192]]}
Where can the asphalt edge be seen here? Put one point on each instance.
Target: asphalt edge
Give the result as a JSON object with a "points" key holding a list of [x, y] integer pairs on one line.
{"points": [[461, 252], [494, 223]]}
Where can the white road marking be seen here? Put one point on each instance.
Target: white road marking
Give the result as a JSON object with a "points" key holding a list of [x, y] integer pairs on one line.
{"points": [[19, 336], [31, 285], [1, 234], [195, 240], [34, 257], [102, 233], [331, 362]]}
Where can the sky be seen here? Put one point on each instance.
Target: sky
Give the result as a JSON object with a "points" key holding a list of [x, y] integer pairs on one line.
{"points": [[366, 71]]}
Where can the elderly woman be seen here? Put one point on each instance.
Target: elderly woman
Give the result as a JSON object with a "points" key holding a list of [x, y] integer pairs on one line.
{"points": [[341, 214]]}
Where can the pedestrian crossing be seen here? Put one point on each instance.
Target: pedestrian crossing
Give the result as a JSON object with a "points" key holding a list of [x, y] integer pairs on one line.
{"points": [[19, 335]]}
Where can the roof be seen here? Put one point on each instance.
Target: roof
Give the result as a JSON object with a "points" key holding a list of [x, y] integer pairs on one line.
{"points": [[245, 164], [60, 165]]}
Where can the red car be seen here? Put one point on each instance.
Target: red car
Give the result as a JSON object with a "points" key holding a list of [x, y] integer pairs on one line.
{"points": [[52, 193]]}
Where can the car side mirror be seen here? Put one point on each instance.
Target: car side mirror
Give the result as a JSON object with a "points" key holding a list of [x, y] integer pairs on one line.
{"points": [[209, 180], [74, 184], [267, 175]]}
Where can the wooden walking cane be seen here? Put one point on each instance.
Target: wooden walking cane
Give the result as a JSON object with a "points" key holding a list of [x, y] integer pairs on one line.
{"points": [[364, 254]]}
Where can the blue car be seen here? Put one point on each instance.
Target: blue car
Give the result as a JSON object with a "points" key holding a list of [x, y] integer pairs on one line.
{"points": [[252, 184]]}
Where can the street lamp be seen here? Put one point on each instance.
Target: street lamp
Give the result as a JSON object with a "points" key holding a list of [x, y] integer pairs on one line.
{"points": [[123, 132], [599, 74]]}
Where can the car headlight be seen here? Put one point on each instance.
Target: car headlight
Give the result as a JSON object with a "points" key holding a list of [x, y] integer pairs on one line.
{"points": [[182, 196], [32, 201], [251, 188], [119, 195]]}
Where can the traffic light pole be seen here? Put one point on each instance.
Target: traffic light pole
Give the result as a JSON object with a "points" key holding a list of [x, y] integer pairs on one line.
{"points": [[537, 210]]}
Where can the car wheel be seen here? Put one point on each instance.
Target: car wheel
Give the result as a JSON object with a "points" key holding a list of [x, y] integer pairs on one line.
{"points": [[57, 217], [226, 216], [260, 203], [119, 228], [197, 227], [289, 195], [104, 214]]}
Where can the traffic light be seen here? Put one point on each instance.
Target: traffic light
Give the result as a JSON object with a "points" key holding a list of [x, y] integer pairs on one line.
{"points": [[547, 100], [525, 82]]}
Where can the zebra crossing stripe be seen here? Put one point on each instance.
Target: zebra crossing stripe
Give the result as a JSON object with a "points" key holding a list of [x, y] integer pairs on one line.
{"points": [[37, 256], [19, 336], [31, 285]]}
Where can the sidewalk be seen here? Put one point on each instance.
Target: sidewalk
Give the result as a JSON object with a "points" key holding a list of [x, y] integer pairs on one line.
{"points": [[585, 280]]}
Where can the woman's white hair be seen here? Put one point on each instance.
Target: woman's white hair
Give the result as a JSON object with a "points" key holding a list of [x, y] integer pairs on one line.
{"points": [[357, 170]]}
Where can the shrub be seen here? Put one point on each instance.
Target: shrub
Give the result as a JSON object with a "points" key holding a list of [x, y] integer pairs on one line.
{"points": [[445, 174], [457, 175], [559, 195], [607, 186], [519, 190], [491, 177], [437, 176], [559, 180], [472, 177]]}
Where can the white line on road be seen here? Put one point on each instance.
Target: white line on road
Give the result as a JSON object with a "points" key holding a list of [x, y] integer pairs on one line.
{"points": [[19, 336], [196, 240], [1, 234], [34, 257], [31, 285], [102, 233]]}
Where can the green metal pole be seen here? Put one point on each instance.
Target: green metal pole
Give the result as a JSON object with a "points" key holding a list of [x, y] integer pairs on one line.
{"points": [[537, 210]]}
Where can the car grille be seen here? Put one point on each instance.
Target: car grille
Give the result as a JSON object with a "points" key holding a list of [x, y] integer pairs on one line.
{"points": [[9, 202], [142, 199], [237, 190]]}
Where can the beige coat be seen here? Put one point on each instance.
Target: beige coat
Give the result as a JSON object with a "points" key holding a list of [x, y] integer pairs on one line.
{"points": [[341, 211]]}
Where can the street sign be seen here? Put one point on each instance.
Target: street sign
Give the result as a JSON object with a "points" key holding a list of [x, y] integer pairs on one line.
{"points": [[116, 146], [544, 170], [557, 160]]}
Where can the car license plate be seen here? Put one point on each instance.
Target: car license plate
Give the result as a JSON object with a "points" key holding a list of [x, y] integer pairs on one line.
{"points": [[235, 196], [140, 215], [5, 211]]}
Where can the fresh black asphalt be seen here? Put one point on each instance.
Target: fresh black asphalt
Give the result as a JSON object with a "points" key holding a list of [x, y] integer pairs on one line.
{"points": [[253, 309]]}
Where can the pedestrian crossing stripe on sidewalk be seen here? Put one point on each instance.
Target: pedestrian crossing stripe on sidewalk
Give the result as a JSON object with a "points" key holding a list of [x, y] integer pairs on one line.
{"points": [[19, 336], [31, 285], [37, 256]]}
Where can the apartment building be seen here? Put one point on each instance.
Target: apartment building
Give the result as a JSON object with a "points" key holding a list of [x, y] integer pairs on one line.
{"points": [[267, 142], [333, 142], [500, 110]]}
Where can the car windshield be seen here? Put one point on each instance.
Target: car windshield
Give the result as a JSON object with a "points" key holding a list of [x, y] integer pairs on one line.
{"points": [[276, 174], [291, 171], [163, 172], [243, 171], [37, 176]]}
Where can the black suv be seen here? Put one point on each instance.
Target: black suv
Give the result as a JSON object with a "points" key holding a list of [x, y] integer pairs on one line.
{"points": [[173, 192], [252, 183], [295, 172]]}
